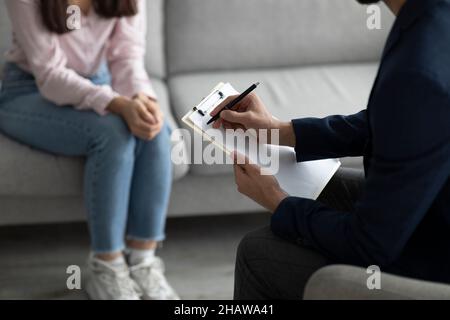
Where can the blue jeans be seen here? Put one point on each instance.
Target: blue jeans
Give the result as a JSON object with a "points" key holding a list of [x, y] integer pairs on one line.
{"points": [[127, 180]]}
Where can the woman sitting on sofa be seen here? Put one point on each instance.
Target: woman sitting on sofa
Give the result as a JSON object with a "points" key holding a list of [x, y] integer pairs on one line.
{"points": [[85, 92]]}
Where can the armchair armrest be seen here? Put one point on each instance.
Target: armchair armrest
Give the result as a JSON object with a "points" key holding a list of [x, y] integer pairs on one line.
{"points": [[340, 282]]}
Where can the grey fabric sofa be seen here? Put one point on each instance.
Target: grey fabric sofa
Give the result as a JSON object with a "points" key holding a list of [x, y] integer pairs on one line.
{"points": [[314, 58]]}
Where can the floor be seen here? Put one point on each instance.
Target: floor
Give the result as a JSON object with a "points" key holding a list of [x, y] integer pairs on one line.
{"points": [[199, 256]]}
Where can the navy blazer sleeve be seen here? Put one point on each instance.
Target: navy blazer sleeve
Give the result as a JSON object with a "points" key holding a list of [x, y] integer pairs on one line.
{"points": [[409, 166], [331, 137]]}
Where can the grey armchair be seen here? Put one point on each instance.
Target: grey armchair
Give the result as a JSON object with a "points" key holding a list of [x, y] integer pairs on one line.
{"points": [[341, 282]]}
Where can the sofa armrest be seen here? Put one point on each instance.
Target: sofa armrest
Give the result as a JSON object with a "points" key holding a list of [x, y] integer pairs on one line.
{"points": [[340, 282]]}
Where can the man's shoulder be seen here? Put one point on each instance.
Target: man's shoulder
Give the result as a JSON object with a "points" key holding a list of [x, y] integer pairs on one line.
{"points": [[424, 48]]}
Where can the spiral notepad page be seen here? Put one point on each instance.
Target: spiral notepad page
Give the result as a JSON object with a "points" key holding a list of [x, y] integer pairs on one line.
{"points": [[304, 179]]}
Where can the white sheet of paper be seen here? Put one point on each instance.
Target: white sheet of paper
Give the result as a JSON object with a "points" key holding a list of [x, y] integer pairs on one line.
{"points": [[304, 179]]}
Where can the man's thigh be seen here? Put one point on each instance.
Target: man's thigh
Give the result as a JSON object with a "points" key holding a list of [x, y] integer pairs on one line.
{"points": [[268, 267]]}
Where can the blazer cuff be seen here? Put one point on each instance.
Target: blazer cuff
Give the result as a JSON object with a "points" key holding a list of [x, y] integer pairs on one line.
{"points": [[307, 138], [283, 222]]}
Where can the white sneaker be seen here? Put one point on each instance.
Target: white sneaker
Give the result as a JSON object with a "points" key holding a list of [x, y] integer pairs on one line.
{"points": [[149, 275], [110, 283]]}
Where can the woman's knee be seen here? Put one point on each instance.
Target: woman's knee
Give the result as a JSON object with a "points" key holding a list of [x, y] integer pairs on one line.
{"points": [[112, 133], [160, 145], [163, 136]]}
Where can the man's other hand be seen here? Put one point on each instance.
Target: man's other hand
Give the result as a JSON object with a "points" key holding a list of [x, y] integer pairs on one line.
{"points": [[263, 189]]}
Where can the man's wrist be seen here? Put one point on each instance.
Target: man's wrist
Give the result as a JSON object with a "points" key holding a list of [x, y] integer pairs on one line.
{"points": [[278, 195], [287, 134]]}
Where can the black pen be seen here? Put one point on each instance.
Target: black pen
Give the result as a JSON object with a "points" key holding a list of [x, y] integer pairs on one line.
{"points": [[234, 102]]}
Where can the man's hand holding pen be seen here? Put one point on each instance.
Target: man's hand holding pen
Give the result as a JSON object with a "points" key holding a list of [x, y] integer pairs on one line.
{"points": [[250, 113]]}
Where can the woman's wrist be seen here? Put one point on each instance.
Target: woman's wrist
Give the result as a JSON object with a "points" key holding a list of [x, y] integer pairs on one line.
{"points": [[118, 104], [152, 98]]}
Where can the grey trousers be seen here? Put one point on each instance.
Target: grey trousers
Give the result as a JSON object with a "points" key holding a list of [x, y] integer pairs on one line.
{"points": [[268, 267]]}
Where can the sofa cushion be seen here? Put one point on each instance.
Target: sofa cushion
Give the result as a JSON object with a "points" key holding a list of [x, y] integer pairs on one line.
{"points": [[234, 34], [164, 100], [288, 93], [27, 172], [155, 59]]}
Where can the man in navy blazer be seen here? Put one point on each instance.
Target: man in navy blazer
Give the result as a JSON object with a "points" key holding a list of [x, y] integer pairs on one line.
{"points": [[397, 217]]}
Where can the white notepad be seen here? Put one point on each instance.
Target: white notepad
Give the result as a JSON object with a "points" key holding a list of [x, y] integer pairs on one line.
{"points": [[304, 179]]}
